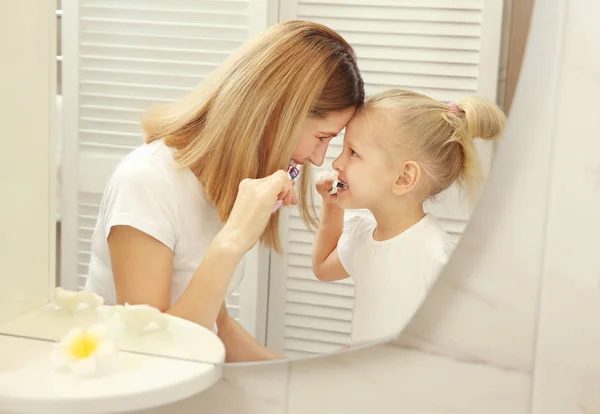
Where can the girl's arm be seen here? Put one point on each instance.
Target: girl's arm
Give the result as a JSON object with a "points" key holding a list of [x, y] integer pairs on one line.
{"points": [[325, 260]]}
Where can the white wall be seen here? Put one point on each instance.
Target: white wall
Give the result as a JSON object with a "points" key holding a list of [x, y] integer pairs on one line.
{"points": [[27, 88]]}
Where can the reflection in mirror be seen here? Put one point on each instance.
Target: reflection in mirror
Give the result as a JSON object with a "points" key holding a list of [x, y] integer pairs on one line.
{"points": [[400, 150], [133, 227]]}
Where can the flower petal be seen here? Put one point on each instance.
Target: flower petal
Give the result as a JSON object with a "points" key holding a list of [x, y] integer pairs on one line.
{"points": [[84, 367], [140, 317], [72, 335], [98, 330], [106, 348], [59, 357]]}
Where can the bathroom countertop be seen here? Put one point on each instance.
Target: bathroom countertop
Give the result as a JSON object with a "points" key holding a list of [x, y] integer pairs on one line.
{"points": [[28, 384], [152, 369]]}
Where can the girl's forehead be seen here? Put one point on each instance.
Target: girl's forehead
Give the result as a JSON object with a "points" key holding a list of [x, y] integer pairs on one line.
{"points": [[367, 125], [359, 122]]}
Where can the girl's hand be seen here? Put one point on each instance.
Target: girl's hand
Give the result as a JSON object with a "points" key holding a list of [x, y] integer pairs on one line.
{"points": [[253, 208], [324, 186]]}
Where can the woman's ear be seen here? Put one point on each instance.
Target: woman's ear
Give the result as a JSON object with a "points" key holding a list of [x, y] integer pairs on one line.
{"points": [[408, 178]]}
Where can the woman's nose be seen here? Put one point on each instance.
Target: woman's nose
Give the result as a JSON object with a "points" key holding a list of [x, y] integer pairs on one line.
{"points": [[318, 156]]}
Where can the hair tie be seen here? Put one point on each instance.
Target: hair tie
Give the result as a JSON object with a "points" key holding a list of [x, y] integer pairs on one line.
{"points": [[453, 108]]}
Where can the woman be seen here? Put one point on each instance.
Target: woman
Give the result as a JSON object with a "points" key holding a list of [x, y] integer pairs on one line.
{"points": [[180, 212]]}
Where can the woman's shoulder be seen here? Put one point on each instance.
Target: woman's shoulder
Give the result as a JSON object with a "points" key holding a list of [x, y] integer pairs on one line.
{"points": [[150, 164], [140, 194], [154, 154]]}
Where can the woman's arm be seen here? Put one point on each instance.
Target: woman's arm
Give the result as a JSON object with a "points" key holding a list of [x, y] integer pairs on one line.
{"points": [[142, 266], [142, 269], [240, 346]]}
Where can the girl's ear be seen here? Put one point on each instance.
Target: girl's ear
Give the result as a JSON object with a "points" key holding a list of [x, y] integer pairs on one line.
{"points": [[408, 178]]}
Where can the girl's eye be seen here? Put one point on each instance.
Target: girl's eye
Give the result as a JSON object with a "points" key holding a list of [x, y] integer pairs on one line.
{"points": [[322, 139], [352, 153]]}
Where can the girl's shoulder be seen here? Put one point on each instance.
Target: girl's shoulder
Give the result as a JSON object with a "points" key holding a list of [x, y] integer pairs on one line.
{"points": [[439, 242], [359, 223]]}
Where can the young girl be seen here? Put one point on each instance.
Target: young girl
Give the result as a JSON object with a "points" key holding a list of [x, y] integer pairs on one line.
{"points": [[400, 149]]}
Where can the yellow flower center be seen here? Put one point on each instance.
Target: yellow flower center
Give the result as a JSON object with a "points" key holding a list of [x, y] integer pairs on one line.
{"points": [[83, 346]]}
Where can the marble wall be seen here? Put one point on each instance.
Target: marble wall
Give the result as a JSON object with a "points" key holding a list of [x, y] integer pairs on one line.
{"points": [[513, 326], [567, 361]]}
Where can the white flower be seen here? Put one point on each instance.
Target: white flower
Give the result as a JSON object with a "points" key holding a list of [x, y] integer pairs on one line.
{"points": [[139, 318], [74, 301], [86, 352]]}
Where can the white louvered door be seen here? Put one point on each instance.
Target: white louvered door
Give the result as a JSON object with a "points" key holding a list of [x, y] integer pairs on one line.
{"points": [[119, 58], [444, 48]]}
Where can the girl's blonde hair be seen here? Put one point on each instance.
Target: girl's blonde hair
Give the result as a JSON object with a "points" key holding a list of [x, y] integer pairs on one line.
{"points": [[440, 136], [243, 121]]}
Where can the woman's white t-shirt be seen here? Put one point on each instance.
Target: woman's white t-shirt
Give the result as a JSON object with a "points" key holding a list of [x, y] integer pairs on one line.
{"points": [[150, 192], [392, 277]]}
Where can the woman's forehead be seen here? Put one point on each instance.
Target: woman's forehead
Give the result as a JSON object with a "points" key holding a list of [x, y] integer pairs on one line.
{"points": [[334, 122]]}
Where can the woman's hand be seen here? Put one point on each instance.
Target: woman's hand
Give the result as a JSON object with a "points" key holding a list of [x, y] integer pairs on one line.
{"points": [[253, 208], [290, 197]]}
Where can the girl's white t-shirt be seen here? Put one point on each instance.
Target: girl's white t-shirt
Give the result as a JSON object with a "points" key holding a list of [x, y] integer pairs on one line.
{"points": [[392, 277], [150, 192]]}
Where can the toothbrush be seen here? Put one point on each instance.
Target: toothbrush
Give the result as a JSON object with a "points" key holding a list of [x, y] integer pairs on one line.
{"points": [[293, 172], [337, 186]]}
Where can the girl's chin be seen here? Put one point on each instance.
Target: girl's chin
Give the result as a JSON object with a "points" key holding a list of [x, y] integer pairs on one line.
{"points": [[343, 200]]}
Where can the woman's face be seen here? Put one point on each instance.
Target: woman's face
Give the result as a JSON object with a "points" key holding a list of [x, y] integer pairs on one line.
{"points": [[315, 135]]}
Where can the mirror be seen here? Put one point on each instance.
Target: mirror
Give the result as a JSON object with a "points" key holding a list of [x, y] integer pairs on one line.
{"points": [[121, 58]]}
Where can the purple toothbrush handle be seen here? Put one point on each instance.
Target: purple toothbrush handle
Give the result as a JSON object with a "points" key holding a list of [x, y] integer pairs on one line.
{"points": [[293, 173], [279, 204]]}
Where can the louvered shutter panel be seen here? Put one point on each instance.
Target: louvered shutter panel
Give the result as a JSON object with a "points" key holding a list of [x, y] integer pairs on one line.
{"points": [[445, 49], [119, 58]]}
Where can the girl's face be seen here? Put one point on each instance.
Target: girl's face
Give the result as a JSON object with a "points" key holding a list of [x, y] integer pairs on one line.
{"points": [[316, 134], [365, 166]]}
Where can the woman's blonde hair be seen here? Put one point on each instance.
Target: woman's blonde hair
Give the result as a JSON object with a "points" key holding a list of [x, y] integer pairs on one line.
{"points": [[440, 136], [243, 121]]}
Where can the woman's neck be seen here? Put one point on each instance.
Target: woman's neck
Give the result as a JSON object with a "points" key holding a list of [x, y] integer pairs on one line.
{"points": [[395, 219]]}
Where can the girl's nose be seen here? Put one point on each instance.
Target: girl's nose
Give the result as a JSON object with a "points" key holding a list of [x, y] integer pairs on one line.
{"points": [[338, 163]]}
